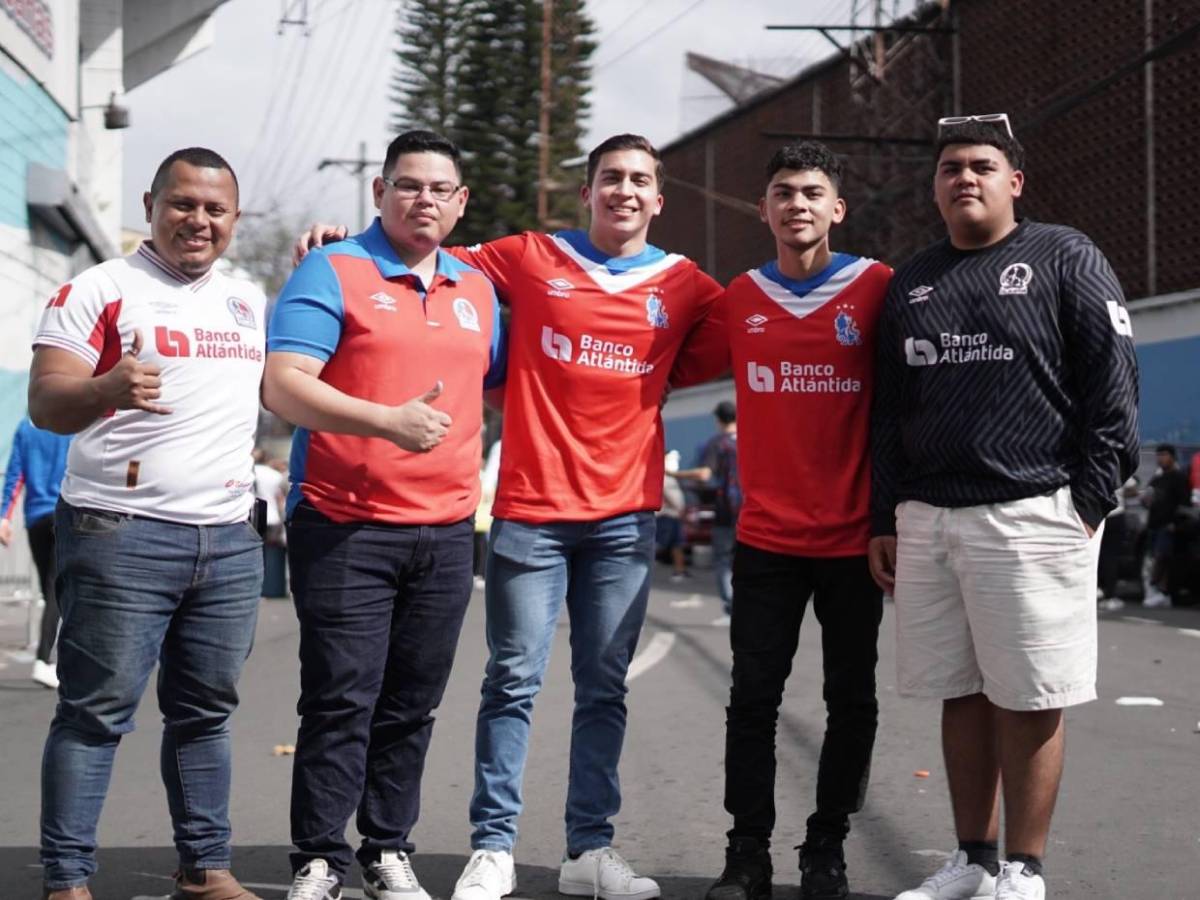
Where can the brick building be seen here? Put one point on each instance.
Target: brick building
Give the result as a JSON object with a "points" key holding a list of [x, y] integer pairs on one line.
{"points": [[1112, 147]]}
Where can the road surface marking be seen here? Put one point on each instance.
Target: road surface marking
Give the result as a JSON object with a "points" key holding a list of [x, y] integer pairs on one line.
{"points": [[653, 653], [1139, 701], [1190, 632], [689, 603], [1141, 621]]}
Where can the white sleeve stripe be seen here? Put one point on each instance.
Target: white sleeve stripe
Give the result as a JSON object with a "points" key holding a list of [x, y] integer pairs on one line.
{"points": [[66, 342]]}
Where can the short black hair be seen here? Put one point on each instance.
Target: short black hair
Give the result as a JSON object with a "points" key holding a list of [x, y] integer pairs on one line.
{"points": [[420, 141], [806, 156], [193, 156], [1167, 448], [626, 142], [993, 135], [725, 412]]}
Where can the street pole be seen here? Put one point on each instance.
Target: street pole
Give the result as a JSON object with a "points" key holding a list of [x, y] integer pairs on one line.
{"points": [[543, 200], [357, 167]]}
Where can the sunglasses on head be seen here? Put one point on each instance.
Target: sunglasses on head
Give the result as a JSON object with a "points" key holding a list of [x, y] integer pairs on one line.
{"points": [[997, 119]]}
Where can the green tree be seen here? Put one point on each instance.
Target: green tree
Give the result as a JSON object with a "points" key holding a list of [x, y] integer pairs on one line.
{"points": [[423, 85], [492, 79]]}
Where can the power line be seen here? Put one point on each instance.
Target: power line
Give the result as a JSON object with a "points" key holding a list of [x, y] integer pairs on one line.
{"points": [[661, 28]]}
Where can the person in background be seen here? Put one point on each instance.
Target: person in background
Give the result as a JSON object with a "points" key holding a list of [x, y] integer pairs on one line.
{"points": [[1169, 492], [37, 463], [718, 469], [668, 523]]}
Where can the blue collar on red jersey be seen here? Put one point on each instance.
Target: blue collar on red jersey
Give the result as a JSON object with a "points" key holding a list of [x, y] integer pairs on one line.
{"points": [[800, 288], [583, 245], [374, 244]]}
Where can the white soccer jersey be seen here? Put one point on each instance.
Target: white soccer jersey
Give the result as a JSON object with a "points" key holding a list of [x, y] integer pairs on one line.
{"points": [[207, 338]]}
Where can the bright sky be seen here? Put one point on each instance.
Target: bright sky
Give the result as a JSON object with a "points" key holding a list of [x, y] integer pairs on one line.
{"points": [[277, 104]]}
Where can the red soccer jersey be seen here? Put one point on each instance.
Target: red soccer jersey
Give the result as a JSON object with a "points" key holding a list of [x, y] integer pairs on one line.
{"points": [[591, 343], [803, 356]]}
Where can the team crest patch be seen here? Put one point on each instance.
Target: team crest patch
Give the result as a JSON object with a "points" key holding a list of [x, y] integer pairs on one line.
{"points": [[656, 313], [243, 313], [467, 315], [845, 328], [1015, 279]]}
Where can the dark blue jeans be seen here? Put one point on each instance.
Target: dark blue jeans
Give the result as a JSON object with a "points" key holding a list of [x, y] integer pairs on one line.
{"points": [[380, 609], [134, 592], [770, 593]]}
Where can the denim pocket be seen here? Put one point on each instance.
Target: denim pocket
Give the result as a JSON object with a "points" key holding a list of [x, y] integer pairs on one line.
{"points": [[513, 541], [97, 521]]}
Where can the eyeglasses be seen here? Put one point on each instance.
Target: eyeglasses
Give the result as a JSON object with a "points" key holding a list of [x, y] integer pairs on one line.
{"points": [[411, 190], [996, 119]]}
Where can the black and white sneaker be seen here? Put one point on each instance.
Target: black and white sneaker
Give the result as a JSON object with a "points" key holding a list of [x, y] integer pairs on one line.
{"points": [[315, 882], [391, 877]]}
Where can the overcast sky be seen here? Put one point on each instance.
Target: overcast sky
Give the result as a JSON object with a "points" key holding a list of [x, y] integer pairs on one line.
{"points": [[277, 104]]}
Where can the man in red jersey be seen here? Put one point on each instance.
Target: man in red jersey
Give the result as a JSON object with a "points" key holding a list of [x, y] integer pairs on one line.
{"points": [[598, 319], [801, 334], [384, 488]]}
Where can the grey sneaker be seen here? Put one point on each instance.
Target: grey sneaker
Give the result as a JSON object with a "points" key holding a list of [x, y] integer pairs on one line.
{"points": [[391, 877], [315, 882]]}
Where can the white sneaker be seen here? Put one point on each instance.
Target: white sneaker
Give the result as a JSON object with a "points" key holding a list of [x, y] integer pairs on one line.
{"points": [[391, 877], [315, 882], [1155, 598], [488, 875], [956, 880], [1016, 882], [45, 674], [603, 874]]}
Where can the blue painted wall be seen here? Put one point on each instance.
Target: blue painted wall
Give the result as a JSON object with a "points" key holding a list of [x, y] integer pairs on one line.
{"points": [[32, 129], [1170, 391]]}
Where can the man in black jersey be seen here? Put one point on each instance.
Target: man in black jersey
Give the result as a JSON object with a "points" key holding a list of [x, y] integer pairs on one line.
{"points": [[1004, 420]]}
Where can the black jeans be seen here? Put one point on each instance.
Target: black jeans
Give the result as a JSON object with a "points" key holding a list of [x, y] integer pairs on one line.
{"points": [[380, 609], [41, 545], [770, 592]]}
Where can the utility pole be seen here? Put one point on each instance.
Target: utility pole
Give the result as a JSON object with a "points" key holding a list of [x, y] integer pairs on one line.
{"points": [[356, 167], [543, 199]]}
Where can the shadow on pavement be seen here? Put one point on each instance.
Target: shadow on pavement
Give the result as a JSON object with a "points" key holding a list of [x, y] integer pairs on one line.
{"points": [[144, 873]]}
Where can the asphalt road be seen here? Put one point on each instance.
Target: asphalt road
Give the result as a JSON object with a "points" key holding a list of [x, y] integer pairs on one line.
{"points": [[1127, 826]]}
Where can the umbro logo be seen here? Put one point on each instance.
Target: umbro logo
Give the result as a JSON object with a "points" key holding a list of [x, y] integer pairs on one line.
{"points": [[384, 301], [559, 287], [755, 323], [919, 294]]}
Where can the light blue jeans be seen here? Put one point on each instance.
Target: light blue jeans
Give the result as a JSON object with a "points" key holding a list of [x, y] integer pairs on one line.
{"points": [[602, 570], [135, 592]]}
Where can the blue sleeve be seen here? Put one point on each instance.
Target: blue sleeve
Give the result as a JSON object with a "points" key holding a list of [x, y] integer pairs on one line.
{"points": [[498, 355], [309, 313], [16, 467]]}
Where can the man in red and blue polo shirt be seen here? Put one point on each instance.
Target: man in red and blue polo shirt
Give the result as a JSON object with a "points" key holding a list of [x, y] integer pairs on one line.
{"points": [[380, 347]]}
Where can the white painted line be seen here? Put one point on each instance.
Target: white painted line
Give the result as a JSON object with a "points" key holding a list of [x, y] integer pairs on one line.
{"points": [[1190, 632], [932, 854], [690, 603], [653, 653], [1140, 620], [1139, 701]]}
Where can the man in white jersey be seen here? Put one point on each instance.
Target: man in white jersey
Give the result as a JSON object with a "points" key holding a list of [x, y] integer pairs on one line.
{"points": [[153, 362]]}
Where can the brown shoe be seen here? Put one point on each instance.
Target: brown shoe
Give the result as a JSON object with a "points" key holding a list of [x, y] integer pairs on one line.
{"points": [[79, 892], [208, 884]]}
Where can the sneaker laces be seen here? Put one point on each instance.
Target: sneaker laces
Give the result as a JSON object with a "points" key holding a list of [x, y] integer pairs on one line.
{"points": [[609, 857], [396, 871], [309, 885], [951, 870]]}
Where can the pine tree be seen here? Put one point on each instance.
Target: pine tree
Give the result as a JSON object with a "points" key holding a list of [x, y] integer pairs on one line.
{"points": [[485, 83], [423, 87]]}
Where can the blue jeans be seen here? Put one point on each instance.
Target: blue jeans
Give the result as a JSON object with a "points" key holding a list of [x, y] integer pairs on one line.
{"points": [[602, 570], [134, 592], [722, 548], [380, 608]]}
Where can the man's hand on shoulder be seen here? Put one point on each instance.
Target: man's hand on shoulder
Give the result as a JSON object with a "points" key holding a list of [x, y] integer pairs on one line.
{"points": [[416, 425], [131, 383], [881, 557], [319, 235]]}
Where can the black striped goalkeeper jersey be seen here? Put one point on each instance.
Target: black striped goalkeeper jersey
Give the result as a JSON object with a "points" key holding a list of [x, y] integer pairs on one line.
{"points": [[1004, 373]]}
